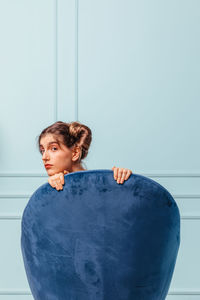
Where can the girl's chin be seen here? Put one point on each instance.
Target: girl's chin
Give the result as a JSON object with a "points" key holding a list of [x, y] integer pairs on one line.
{"points": [[50, 172]]}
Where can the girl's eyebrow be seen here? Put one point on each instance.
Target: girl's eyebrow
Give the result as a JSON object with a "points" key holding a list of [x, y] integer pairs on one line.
{"points": [[54, 142]]}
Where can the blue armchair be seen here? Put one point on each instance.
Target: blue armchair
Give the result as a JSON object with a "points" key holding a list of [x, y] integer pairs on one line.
{"points": [[100, 240]]}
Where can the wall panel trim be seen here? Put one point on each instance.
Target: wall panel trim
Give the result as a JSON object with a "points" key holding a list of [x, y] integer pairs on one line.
{"points": [[152, 174], [19, 217], [76, 59], [23, 175], [183, 196], [56, 62], [173, 292], [15, 292]]}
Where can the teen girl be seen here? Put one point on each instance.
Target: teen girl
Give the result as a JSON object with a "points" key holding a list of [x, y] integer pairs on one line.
{"points": [[63, 147]]}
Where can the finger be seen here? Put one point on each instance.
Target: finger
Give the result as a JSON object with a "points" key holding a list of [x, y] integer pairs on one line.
{"points": [[59, 187], [123, 176], [62, 180], [115, 172], [120, 172], [51, 182], [58, 184], [129, 172], [55, 183]]}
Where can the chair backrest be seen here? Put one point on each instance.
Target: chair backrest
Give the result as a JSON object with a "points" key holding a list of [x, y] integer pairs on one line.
{"points": [[100, 240]]}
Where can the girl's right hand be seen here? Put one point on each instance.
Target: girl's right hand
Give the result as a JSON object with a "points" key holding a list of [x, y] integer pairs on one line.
{"points": [[57, 180]]}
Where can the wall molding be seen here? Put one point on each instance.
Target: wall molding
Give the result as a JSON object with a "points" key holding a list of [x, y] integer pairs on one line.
{"points": [[151, 174], [14, 196], [10, 217], [15, 292], [23, 175], [56, 61], [172, 174], [190, 217], [19, 217], [186, 196], [76, 59], [178, 196], [184, 292], [173, 292]]}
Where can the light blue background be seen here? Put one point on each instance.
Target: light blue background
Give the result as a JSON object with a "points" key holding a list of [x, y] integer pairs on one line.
{"points": [[127, 69]]}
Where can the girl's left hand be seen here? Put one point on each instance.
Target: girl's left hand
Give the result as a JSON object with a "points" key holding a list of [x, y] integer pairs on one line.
{"points": [[121, 174]]}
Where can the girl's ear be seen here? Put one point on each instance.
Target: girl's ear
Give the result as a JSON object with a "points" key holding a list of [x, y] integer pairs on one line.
{"points": [[76, 153]]}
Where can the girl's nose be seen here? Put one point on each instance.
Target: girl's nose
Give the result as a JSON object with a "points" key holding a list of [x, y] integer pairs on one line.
{"points": [[45, 155]]}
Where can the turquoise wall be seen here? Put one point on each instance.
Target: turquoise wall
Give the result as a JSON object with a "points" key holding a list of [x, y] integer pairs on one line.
{"points": [[127, 69]]}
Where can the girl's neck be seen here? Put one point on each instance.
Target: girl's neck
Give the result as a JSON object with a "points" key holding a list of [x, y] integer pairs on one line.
{"points": [[78, 167]]}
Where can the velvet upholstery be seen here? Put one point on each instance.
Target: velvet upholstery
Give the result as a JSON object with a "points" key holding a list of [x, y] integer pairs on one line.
{"points": [[100, 240]]}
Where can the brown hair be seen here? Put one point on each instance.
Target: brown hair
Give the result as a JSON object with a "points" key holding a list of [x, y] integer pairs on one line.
{"points": [[73, 134]]}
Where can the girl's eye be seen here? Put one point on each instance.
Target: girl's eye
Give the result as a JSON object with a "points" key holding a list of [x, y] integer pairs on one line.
{"points": [[41, 151]]}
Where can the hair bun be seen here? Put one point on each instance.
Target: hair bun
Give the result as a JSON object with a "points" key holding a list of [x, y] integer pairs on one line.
{"points": [[83, 136]]}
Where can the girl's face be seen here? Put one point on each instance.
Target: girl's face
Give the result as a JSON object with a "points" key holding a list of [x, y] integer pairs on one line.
{"points": [[58, 156]]}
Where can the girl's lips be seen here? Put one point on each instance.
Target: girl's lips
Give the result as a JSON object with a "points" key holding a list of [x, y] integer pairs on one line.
{"points": [[48, 166]]}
